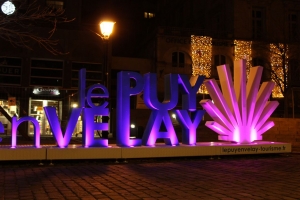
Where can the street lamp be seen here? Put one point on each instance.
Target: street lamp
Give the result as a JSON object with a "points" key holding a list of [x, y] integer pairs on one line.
{"points": [[106, 29]]}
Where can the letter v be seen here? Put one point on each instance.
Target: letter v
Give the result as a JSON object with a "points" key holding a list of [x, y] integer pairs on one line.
{"points": [[62, 140]]}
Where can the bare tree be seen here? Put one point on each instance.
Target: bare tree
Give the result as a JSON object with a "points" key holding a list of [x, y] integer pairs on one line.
{"points": [[26, 27], [19, 28]]}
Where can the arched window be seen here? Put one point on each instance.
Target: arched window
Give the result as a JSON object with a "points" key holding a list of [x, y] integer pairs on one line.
{"points": [[178, 59]]}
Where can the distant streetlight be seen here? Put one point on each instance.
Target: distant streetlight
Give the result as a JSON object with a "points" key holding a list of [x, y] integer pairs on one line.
{"points": [[8, 8], [106, 29]]}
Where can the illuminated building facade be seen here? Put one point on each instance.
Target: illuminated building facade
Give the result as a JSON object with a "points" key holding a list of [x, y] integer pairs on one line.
{"points": [[238, 30]]}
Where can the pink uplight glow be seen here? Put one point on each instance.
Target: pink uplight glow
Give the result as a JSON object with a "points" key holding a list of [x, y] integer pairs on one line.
{"points": [[254, 135], [241, 109], [236, 134]]}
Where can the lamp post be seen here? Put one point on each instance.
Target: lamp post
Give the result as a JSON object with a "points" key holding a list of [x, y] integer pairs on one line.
{"points": [[106, 29]]}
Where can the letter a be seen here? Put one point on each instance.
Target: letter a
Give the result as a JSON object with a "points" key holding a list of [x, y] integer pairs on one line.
{"points": [[152, 133]]}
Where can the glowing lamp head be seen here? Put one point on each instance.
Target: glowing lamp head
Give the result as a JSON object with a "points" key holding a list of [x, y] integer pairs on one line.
{"points": [[106, 28]]}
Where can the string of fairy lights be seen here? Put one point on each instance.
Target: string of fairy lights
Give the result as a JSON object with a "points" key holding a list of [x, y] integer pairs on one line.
{"points": [[201, 47], [201, 58], [242, 50], [278, 55]]}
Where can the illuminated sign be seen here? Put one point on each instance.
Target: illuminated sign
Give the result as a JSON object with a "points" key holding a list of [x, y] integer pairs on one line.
{"points": [[46, 91], [175, 84], [240, 113]]}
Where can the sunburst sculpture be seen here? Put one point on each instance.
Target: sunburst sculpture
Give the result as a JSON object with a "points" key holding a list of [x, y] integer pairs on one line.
{"points": [[241, 110]]}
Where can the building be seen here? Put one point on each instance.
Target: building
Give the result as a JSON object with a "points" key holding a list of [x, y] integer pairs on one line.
{"points": [[149, 36], [265, 33]]}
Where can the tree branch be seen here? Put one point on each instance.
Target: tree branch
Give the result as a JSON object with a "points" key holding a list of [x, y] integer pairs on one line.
{"points": [[18, 28]]}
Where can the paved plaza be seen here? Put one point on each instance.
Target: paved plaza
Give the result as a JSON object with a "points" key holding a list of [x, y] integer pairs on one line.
{"points": [[226, 178]]}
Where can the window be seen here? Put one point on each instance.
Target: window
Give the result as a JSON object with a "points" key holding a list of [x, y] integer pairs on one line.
{"points": [[178, 59], [218, 60], [93, 73], [218, 19], [55, 4], [10, 71], [257, 62], [258, 23], [295, 72], [293, 26], [11, 61], [148, 15], [47, 64], [46, 72]]}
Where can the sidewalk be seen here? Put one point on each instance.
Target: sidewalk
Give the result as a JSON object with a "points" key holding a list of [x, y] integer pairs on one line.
{"points": [[259, 177]]}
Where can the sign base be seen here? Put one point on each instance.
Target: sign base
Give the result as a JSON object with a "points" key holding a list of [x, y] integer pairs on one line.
{"points": [[47, 152]]}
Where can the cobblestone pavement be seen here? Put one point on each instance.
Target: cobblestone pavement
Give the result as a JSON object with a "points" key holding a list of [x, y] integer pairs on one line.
{"points": [[228, 178]]}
